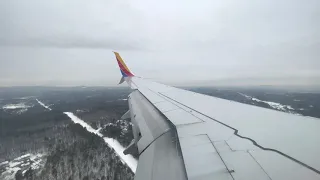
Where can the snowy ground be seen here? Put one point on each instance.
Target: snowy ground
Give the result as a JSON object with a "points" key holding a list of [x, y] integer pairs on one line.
{"points": [[21, 107], [113, 143], [17, 108], [43, 105], [278, 106], [8, 169]]}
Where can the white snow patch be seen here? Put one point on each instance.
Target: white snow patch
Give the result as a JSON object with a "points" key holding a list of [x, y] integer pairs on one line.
{"points": [[13, 164], [43, 105], [24, 171], [109, 124], [248, 97], [123, 125], [113, 143], [26, 164], [3, 163], [99, 129], [82, 110], [10, 173], [26, 97], [35, 156], [122, 99], [272, 104], [289, 107], [15, 106], [21, 163], [22, 157], [21, 111]]}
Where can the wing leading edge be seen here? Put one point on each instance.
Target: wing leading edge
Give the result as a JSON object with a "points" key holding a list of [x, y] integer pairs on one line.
{"points": [[220, 139]]}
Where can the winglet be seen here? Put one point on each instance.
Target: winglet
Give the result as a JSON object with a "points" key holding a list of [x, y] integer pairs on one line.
{"points": [[125, 71]]}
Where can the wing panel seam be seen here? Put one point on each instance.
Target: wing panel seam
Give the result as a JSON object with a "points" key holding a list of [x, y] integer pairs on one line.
{"points": [[253, 141], [229, 171], [259, 165]]}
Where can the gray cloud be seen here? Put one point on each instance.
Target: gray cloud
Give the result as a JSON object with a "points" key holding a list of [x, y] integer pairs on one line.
{"points": [[70, 42], [69, 24], [75, 42]]}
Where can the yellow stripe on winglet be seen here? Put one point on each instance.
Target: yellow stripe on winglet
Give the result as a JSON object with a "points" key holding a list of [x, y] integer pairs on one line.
{"points": [[121, 61]]}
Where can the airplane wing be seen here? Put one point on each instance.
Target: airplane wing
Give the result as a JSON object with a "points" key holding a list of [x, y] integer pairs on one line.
{"points": [[180, 134]]}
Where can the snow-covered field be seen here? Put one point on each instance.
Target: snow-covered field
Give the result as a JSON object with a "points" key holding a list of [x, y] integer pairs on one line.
{"points": [[17, 108], [274, 105], [113, 143], [23, 163], [21, 107]]}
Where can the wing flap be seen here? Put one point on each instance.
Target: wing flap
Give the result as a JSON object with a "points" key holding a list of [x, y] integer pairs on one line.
{"points": [[202, 160], [161, 160]]}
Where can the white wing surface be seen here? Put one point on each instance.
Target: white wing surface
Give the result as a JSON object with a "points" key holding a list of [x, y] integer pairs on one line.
{"points": [[211, 138]]}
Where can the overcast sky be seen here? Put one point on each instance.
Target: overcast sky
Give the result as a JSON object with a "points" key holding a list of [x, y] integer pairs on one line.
{"points": [[184, 42]]}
